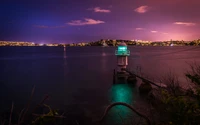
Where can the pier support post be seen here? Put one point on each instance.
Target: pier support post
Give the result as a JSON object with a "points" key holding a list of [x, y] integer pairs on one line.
{"points": [[122, 54], [114, 77]]}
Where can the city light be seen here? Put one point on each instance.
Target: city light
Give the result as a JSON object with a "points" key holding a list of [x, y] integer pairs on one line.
{"points": [[107, 42]]}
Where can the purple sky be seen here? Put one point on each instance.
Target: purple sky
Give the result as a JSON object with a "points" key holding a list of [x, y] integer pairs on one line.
{"points": [[70, 21]]}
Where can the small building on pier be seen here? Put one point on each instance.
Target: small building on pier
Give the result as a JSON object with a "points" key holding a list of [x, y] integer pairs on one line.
{"points": [[122, 54]]}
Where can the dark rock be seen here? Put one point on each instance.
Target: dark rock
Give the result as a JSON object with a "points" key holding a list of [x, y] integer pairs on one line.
{"points": [[131, 79], [145, 88]]}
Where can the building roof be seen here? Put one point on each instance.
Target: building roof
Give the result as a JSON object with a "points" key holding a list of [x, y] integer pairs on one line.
{"points": [[122, 44]]}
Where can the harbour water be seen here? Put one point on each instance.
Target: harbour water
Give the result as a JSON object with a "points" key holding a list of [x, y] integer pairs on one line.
{"points": [[79, 79]]}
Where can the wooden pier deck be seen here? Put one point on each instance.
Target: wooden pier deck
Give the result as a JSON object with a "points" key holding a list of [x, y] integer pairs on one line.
{"points": [[160, 85]]}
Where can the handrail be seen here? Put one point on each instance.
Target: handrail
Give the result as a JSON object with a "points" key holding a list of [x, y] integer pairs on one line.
{"points": [[143, 79]]}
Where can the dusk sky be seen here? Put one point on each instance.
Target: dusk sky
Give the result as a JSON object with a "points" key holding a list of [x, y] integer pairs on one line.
{"points": [[70, 21]]}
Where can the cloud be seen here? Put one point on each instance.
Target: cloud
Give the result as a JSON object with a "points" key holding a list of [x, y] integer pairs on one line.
{"points": [[99, 10], [87, 21], [142, 9], [153, 31], [43, 26], [185, 23], [139, 28]]}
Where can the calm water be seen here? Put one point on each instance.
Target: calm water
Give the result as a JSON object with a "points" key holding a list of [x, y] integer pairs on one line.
{"points": [[79, 79]]}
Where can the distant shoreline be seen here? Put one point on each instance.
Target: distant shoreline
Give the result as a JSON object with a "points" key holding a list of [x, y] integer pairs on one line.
{"points": [[99, 46], [105, 46], [106, 43]]}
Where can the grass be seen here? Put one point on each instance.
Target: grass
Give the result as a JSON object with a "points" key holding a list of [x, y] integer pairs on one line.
{"points": [[26, 117]]}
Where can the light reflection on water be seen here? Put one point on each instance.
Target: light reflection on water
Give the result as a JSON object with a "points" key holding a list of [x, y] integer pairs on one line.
{"points": [[123, 93], [65, 62], [104, 61], [126, 93]]}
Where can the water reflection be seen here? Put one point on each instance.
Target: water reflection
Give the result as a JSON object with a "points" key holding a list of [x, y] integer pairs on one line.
{"points": [[103, 54], [122, 93], [65, 61], [103, 60]]}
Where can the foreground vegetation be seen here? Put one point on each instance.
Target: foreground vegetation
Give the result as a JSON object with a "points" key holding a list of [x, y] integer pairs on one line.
{"points": [[172, 105], [176, 105]]}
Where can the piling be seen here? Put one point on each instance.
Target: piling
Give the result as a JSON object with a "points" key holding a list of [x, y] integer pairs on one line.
{"points": [[114, 77]]}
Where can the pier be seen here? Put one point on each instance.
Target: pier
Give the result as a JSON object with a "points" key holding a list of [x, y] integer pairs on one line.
{"points": [[123, 73]]}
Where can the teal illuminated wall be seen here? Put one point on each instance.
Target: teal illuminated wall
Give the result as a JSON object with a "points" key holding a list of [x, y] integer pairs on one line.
{"points": [[122, 50]]}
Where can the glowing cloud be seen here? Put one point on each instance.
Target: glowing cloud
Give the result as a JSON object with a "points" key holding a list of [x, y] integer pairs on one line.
{"points": [[87, 21], [139, 28], [153, 31], [185, 23], [99, 10], [142, 9]]}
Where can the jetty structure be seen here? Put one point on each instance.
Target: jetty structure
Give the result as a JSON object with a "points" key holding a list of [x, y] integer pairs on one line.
{"points": [[122, 54], [123, 73]]}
